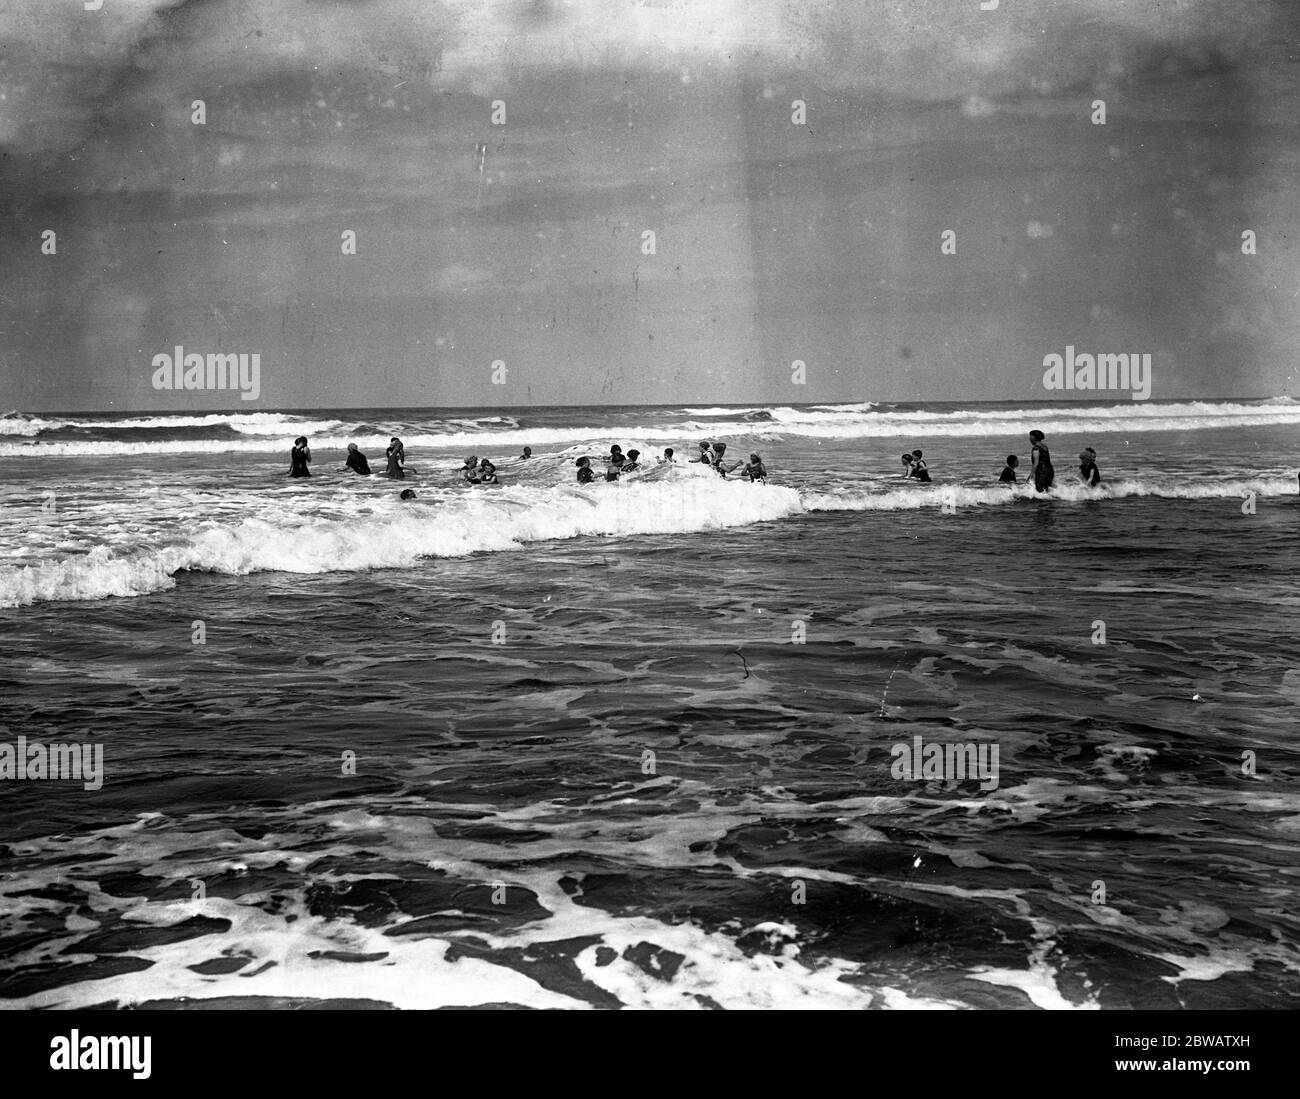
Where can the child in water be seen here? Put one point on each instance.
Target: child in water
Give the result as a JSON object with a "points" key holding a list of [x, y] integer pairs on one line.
{"points": [[357, 461], [668, 457], [585, 474], [1008, 476], [300, 458], [469, 473], [1088, 471], [487, 473], [1040, 462], [919, 469]]}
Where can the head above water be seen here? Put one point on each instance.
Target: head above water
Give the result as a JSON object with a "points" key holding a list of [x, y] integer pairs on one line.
{"points": [[755, 458], [916, 454], [616, 449], [705, 445], [1036, 436], [633, 455], [907, 459], [408, 494], [583, 462], [1087, 454], [668, 452], [472, 460], [1012, 460], [300, 441], [719, 449], [528, 452]]}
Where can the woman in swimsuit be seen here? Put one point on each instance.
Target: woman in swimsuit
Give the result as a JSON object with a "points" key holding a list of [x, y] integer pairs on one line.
{"points": [[300, 458], [1040, 462], [487, 473], [357, 461], [396, 459], [585, 475], [469, 474], [1088, 471], [919, 469]]}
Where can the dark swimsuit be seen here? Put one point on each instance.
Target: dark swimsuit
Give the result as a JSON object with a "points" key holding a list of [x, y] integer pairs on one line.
{"points": [[1008, 476], [585, 476], [1090, 474], [1044, 474], [395, 469], [298, 463], [357, 462]]}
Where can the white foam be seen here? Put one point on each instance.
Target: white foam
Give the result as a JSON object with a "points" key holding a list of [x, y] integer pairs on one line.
{"points": [[393, 534]]}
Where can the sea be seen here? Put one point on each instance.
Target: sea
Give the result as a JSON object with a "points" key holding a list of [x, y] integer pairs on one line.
{"points": [[670, 741]]}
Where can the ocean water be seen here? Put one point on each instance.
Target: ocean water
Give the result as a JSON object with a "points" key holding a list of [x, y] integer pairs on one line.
{"points": [[635, 745]]}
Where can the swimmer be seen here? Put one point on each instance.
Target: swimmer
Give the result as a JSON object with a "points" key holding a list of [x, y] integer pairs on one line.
{"points": [[668, 457], [1040, 462], [585, 474], [408, 494], [907, 462], [719, 452], [469, 473], [487, 473], [1008, 475], [1089, 474], [396, 459], [754, 469], [357, 461], [528, 453], [631, 465], [300, 458], [614, 463], [919, 469], [706, 453]]}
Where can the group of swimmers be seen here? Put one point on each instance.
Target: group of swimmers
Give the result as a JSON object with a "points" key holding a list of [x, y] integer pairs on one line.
{"points": [[1041, 470], [300, 459], [618, 464]]}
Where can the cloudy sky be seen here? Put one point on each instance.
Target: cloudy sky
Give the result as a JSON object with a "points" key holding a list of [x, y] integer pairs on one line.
{"points": [[522, 242]]}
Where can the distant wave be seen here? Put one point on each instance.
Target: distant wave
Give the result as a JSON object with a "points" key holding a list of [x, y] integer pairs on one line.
{"points": [[266, 432]]}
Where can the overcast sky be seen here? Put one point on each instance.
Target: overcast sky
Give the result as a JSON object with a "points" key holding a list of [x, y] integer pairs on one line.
{"points": [[774, 242]]}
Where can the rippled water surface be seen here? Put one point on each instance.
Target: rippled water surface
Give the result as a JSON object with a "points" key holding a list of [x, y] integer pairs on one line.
{"points": [[646, 759]]}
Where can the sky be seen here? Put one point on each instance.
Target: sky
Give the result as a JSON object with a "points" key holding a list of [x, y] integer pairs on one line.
{"points": [[775, 243]]}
